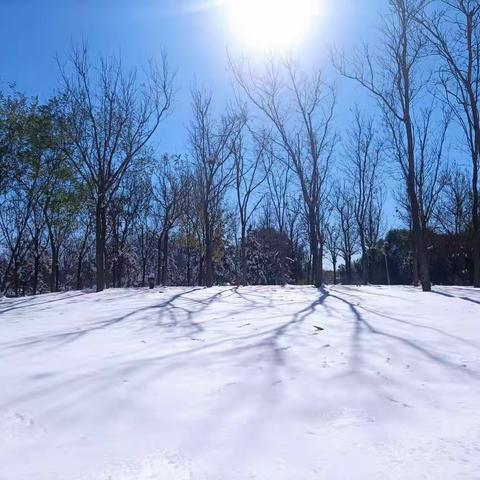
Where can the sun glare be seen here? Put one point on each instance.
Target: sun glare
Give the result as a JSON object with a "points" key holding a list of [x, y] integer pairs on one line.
{"points": [[272, 24]]}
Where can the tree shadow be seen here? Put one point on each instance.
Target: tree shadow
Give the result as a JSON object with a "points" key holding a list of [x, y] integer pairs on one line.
{"points": [[450, 295], [366, 292], [240, 351], [361, 325], [30, 301], [417, 325], [166, 308], [264, 342]]}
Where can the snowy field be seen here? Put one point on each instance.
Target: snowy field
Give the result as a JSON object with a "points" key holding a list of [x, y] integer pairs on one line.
{"points": [[238, 384]]}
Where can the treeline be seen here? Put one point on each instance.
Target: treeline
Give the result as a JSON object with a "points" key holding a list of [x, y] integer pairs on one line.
{"points": [[267, 189]]}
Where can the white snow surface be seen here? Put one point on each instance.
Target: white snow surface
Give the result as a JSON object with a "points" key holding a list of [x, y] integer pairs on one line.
{"points": [[238, 384]]}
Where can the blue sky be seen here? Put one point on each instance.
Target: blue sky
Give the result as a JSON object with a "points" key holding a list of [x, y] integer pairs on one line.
{"points": [[195, 33]]}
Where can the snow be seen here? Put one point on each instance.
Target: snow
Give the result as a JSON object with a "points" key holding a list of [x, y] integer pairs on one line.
{"points": [[238, 384]]}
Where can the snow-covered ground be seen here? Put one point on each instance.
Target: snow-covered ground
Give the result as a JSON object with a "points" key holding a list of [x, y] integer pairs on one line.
{"points": [[238, 384]]}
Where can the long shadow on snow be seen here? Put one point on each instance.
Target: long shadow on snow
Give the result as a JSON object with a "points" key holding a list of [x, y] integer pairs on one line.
{"points": [[265, 341], [273, 341], [167, 307], [270, 338], [450, 295], [29, 302], [362, 325]]}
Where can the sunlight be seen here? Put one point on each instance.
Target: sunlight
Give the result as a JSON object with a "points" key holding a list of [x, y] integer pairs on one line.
{"points": [[272, 24]]}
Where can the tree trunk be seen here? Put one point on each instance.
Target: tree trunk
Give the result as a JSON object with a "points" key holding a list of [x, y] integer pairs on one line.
{"points": [[79, 272], [165, 258], [200, 270], [36, 268], [418, 230], [120, 270], [114, 273], [475, 119], [209, 273], [476, 228], [189, 267], [415, 279], [100, 227], [364, 261], [243, 257], [53, 266], [57, 274], [316, 249], [209, 280], [16, 280], [159, 259], [144, 271]]}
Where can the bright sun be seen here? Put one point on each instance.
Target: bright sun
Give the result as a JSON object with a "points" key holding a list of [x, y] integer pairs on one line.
{"points": [[272, 24]]}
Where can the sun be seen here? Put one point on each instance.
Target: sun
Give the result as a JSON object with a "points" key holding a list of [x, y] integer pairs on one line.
{"points": [[272, 24]]}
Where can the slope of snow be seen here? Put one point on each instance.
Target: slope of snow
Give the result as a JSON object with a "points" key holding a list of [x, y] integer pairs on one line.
{"points": [[237, 384]]}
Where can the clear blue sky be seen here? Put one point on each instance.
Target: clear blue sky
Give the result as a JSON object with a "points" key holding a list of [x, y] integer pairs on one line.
{"points": [[195, 33]]}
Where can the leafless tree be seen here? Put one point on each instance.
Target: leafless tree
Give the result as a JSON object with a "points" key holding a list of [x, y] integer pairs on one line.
{"points": [[363, 153], [109, 117], [453, 28], [211, 144], [38, 244], [249, 176], [300, 111], [333, 246], [430, 170], [131, 201], [431, 163], [392, 75], [145, 240], [81, 242], [279, 185], [344, 206], [172, 180]]}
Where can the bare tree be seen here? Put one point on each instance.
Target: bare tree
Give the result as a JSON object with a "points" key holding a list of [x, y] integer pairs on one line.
{"points": [[431, 163], [81, 242], [130, 202], [333, 245], [454, 32], [300, 110], [211, 143], [109, 117], [363, 163], [430, 171], [145, 240], [171, 184], [279, 184], [38, 244], [392, 76], [344, 206], [248, 177]]}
